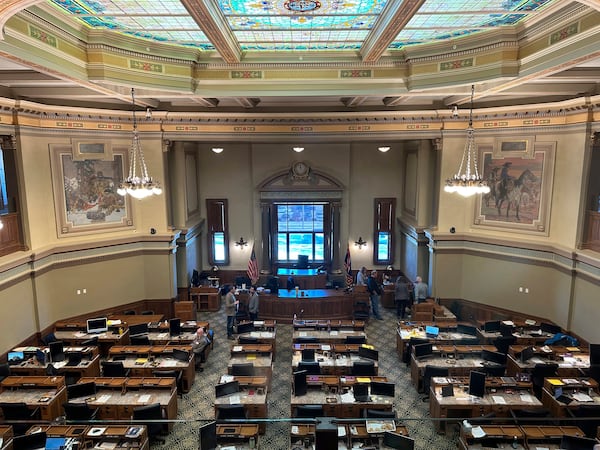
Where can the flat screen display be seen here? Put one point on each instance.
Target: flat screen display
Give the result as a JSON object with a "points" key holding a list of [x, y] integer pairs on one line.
{"points": [[368, 353], [493, 326], [577, 443], [15, 357], [245, 328], [300, 386], [208, 436], [383, 388], [594, 354], [550, 328], [98, 325], [175, 326], [140, 328], [308, 354], [495, 357], [231, 387], [398, 441], [477, 384], [57, 352], [423, 350], [527, 354], [466, 329], [432, 331], [79, 390], [55, 443]]}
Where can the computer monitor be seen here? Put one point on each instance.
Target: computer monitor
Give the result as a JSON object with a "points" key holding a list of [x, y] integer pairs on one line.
{"points": [[55, 443], [432, 331], [423, 350], [526, 354], [302, 262], [308, 354], [175, 326], [33, 441], [208, 436], [243, 370], [368, 353], [79, 390], [231, 387], [57, 351], [492, 326], [477, 384], [550, 328], [15, 357], [577, 443], [385, 388], [311, 367], [247, 327], [360, 390], [495, 357], [181, 355], [594, 354], [466, 329], [398, 441], [300, 385], [137, 329], [98, 325]]}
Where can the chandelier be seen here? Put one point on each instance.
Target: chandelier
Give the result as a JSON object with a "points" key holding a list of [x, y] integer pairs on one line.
{"points": [[467, 180], [138, 183]]}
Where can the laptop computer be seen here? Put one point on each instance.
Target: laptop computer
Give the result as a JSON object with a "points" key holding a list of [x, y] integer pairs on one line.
{"points": [[74, 358], [361, 392], [431, 331]]}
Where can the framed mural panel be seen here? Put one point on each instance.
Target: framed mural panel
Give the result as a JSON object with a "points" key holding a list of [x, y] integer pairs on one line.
{"points": [[90, 149], [520, 190], [514, 146], [85, 191]]}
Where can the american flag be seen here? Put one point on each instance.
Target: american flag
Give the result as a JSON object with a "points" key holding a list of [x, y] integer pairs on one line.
{"points": [[253, 267], [348, 267]]}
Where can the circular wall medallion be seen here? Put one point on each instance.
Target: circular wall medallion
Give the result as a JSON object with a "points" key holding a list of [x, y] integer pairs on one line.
{"points": [[302, 5], [300, 169]]}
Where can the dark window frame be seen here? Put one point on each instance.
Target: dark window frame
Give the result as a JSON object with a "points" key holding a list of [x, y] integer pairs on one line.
{"points": [[217, 222], [384, 213]]}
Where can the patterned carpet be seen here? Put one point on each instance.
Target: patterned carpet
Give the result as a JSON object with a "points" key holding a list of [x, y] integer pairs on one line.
{"points": [[196, 407]]}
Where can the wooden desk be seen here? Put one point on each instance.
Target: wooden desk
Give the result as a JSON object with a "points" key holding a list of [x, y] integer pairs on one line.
{"points": [[568, 367], [206, 298], [327, 337], [117, 397], [105, 340], [135, 319], [263, 365], [574, 388], [6, 434], [255, 404], [548, 436], [163, 337], [355, 434], [117, 434], [340, 364], [186, 326], [357, 325], [303, 278], [46, 393], [88, 367], [525, 337], [446, 337], [238, 435], [456, 367], [317, 303], [136, 359], [334, 405], [257, 381], [263, 337], [501, 397], [252, 349]]}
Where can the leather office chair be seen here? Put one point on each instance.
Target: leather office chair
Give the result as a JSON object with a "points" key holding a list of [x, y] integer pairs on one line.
{"points": [[411, 343], [20, 414], [79, 411], [538, 373], [129, 312], [503, 342], [540, 416], [177, 374], [51, 370], [309, 411], [50, 337], [230, 412], [247, 340], [91, 342], [494, 371], [114, 369], [4, 371], [242, 312], [589, 416], [139, 340], [355, 340], [151, 416], [363, 369], [243, 370], [147, 312], [361, 311], [379, 414], [306, 340], [428, 374], [311, 367]]}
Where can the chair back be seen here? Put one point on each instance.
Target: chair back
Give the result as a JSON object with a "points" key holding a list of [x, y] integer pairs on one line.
{"points": [[113, 369], [79, 411]]}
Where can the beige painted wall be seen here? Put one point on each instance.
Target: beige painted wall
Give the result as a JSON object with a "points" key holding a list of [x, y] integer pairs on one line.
{"points": [[18, 311]]}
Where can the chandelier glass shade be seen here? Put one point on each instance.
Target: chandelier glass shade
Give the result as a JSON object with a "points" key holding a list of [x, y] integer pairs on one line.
{"points": [[138, 183], [467, 181]]}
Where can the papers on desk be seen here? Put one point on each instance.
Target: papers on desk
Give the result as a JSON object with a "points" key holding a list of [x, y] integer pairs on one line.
{"points": [[508, 322], [536, 360], [103, 398], [256, 334], [348, 397], [144, 398], [295, 429], [302, 334], [530, 322], [333, 333], [235, 399], [168, 363], [498, 400], [325, 347], [251, 356], [237, 348], [527, 398], [581, 397], [229, 447], [259, 323], [80, 334], [163, 335], [113, 322], [106, 445], [477, 432], [341, 431], [226, 379], [541, 448], [96, 431]]}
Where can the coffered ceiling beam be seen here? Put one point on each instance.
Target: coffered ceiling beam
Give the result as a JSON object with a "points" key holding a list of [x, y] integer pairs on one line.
{"points": [[351, 102], [207, 102], [247, 102]]}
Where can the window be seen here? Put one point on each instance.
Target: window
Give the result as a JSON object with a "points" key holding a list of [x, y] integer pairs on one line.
{"points": [[383, 249], [218, 236], [301, 229]]}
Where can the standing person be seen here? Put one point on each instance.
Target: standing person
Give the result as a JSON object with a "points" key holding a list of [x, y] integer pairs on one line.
{"points": [[361, 277], [253, 303], [420, 290], [375, 292], [230, 307], [401, 296]]}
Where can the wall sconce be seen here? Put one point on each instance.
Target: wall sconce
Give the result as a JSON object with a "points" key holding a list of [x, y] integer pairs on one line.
{"points": [[360, 242], [241, 242]]}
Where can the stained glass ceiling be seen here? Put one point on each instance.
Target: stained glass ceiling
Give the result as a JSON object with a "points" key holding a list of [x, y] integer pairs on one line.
{"points": [[300, 25]]}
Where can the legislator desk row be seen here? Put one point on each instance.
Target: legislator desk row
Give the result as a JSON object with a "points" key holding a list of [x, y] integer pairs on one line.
{"points": [[68, 437], [345, 434], [240, 398], [567, 361], [43, 396], [478, 395], [535, 437], [357, 325], [342, 397], [561, 395], [316, 362], [329, 337], [258, 337]]}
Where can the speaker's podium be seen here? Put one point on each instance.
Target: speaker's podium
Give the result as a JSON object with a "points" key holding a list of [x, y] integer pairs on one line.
{"points": [[326, 433]]}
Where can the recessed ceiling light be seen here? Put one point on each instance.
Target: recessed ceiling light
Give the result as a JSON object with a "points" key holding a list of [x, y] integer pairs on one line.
{"points": [[217, 149], [383, 149], [298, 149]]}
